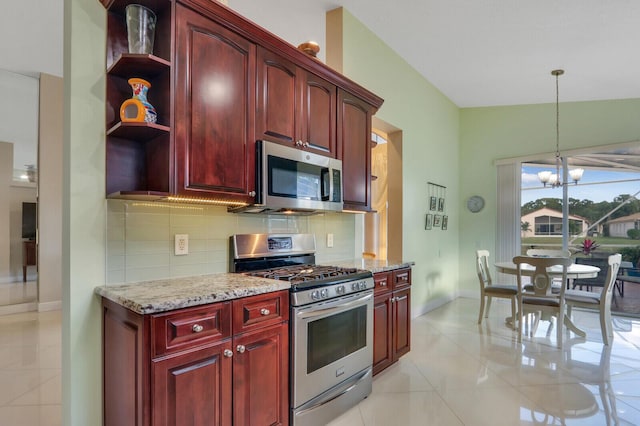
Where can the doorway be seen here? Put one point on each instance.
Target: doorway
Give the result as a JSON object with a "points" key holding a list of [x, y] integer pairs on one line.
{"points": [[19, 98], [383, 226]]}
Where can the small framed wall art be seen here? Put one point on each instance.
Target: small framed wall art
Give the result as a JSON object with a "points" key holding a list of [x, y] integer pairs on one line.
{"points": [[445, 222], [428, 223], [433, 203], [437, 220]]}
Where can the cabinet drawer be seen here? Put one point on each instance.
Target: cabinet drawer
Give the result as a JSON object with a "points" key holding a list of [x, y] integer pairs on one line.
{"points": [[178, 330], [382, 281], [401, 278], [261, 310]]}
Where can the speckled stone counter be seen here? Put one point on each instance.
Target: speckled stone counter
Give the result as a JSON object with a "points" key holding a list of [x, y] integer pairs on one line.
{"points": [[151, 297], [373, 265]]}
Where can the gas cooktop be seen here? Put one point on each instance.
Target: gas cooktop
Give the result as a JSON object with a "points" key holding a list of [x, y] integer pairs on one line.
{"points": [[311, 276]]}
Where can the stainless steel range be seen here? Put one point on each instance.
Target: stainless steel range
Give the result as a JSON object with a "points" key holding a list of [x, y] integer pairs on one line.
{"points": [[331, 323]]}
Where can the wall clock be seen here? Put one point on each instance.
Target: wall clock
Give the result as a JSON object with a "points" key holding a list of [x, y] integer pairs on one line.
{"points": [[475, 203]]}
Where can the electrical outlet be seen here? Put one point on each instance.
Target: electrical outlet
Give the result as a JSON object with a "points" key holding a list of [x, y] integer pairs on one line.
{"points": [[182, 244], [329, 240]]}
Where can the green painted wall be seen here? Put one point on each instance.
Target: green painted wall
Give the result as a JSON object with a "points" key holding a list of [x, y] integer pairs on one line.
{"points": [[429, 123], [490, 134], [83, 211]]}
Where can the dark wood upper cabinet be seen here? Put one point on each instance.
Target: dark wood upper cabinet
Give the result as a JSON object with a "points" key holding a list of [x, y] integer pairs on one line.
{"points": [[318, 114], [215, 71], [276, 97], [294, 106], [354, 134], [219, 83]]}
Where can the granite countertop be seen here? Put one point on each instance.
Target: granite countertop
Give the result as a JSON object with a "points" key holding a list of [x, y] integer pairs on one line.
{"points": [[149, 297], [373, 265]]}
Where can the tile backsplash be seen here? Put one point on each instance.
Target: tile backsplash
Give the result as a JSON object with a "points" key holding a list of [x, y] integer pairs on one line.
{"points": [[140, 237]]}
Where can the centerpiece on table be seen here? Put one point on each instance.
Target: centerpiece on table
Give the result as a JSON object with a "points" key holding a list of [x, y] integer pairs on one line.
{"points": [[587, 247]]}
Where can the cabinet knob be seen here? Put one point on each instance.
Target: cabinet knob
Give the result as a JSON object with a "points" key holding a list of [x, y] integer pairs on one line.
{"points": [[197, 328], [299, 143], [383, 283], [228, 353], [241, 348], [252, 193], [264, 311], [306, 144]]}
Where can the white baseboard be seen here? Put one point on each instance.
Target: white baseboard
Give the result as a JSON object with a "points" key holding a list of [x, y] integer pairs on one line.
{"points": [[431, 305], [19, 308], [56, 305], [16, 280]]}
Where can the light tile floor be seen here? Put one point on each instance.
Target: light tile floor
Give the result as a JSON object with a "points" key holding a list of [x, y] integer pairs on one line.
{"points": [[457, 373], [30, 368]]}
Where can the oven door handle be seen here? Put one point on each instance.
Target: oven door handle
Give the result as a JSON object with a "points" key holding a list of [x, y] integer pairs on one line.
{"points": [[333, 309]]}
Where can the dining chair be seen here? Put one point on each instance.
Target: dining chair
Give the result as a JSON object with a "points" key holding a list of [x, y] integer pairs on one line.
{"points": [[540, 298], [548, 253], [601, 301], [489, 290]]}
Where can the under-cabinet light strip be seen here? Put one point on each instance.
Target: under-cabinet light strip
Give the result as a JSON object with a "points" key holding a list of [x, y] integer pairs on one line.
{"points": [[205, 201]]}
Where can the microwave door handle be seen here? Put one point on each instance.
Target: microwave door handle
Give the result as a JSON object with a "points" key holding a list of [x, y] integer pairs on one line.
{"points": [[325, 184]]}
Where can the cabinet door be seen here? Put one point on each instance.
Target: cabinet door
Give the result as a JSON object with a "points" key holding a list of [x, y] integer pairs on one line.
{"points": [[382, 332], [261, 377], [354, 135], [193, 388], [215, 98], [401, 322], [318, 121], [276, 97]]}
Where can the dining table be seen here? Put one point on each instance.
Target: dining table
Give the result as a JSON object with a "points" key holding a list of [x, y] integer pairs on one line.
{"points": [[574, 271]]}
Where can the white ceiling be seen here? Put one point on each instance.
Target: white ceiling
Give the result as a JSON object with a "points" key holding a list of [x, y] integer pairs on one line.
{"points": [[477, 52], [501, 52]]}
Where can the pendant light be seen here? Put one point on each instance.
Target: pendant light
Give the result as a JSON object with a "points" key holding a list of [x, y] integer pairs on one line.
{"points": [[548, 177]]}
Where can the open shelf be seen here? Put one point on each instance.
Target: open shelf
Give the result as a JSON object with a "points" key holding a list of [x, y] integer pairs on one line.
{"points": [[137, 131], [141, 65]]}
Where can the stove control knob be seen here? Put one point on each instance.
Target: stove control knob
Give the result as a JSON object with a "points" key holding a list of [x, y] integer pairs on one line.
{"points": [[340, 289], [324, 293], [354, 286], [362, 285], [315, 295]]}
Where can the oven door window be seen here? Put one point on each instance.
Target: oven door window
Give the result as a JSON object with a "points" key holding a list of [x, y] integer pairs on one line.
{"points": [[293, 179], [335, 337]]}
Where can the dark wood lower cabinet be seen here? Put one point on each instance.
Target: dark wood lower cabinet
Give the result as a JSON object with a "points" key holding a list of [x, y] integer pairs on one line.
{"points": [[391, 317], [383, 327], [221, 364], [193, 388], [260, 373]]}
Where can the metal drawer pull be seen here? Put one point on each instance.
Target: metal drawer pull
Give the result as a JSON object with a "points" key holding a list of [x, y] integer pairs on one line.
{"points": [[383, 283], [264, 311], [197, 328], [241, 348], [228, 353]]}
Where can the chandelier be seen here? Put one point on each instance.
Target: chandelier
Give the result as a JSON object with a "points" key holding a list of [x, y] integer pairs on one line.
{"points": [[548, 177]]}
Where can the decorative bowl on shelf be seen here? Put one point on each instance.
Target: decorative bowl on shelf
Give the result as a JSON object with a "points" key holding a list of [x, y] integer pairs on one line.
{"points": [[311, 48]]}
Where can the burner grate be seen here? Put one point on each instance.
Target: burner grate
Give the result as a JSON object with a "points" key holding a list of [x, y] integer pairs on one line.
{"points": [[304, 273]]}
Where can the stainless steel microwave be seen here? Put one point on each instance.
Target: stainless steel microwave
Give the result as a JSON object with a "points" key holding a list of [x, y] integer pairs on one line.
{"points": [[291, 180]]}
